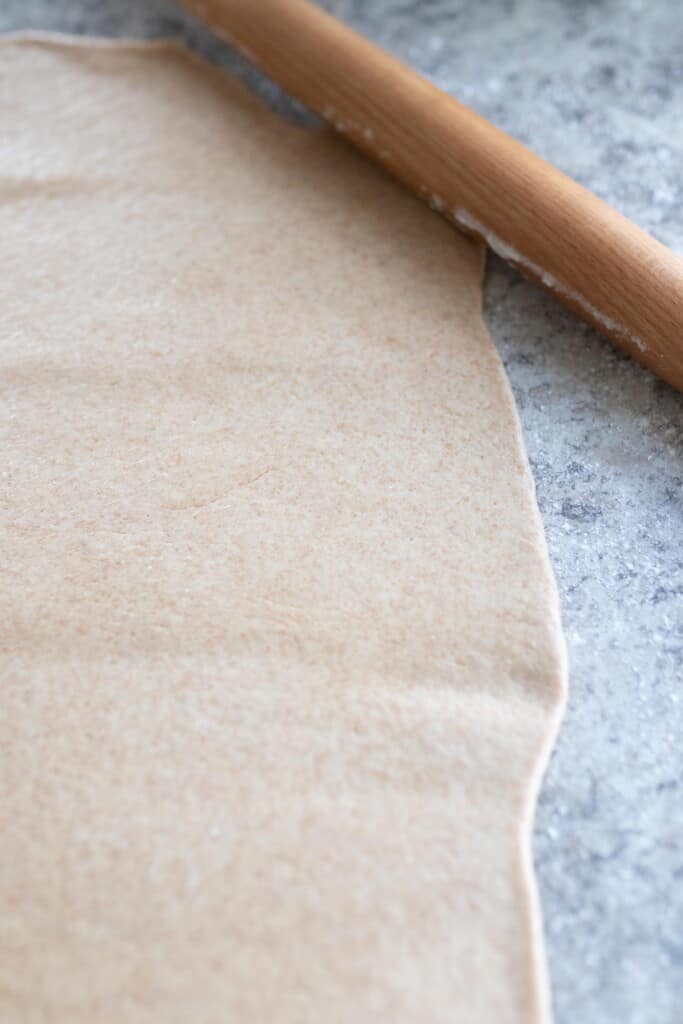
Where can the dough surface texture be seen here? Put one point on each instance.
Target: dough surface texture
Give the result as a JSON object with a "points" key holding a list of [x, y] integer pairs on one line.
{"points": [[281, 653]]}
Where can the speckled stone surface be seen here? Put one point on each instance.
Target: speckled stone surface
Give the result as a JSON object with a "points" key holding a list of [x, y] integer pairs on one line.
{"points": [[595, 86]]}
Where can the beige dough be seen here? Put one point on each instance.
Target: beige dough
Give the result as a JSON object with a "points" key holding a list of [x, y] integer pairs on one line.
{"points": [[281, 656]]}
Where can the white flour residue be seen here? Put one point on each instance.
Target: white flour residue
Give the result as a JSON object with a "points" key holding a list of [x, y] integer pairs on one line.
{"points": [[346, 126], [469, 223], [433, 200]]}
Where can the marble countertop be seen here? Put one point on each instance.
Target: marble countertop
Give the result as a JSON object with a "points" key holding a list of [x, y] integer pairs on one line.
{"points": [[596, 87]]}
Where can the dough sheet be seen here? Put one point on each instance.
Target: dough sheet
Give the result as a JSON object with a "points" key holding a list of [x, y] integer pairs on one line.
{"points": [[281, 653]]}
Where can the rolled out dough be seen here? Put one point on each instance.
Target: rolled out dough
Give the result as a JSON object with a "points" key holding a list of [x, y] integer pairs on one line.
{"points": [[281, 656]]}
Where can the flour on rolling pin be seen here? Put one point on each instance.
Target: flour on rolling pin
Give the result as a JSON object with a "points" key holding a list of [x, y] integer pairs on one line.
{"points": [[506, 252]]}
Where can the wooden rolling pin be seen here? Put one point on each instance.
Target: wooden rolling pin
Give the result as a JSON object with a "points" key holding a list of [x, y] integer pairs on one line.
{"points": [[610, 272]]}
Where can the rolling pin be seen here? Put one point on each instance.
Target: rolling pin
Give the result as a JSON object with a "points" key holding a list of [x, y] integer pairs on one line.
{"points": [[557, 233]]}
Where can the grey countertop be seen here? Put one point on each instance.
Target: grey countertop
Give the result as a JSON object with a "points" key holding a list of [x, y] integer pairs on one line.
{"points": [[596, 87]]}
